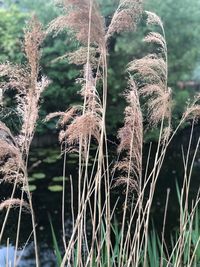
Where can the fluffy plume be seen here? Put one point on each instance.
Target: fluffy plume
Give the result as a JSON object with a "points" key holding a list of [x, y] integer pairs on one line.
{"points": [[16, 77], [81, 123], [131, 140], [151, 67], [34, 37], [125, 17], [24, 79], [156, 38], [153, 71], [6, 135], [88, 123], [193, 109], [65, 117], [7, 151], [153, 19], [80, 56], [76, 18], [28, 104], [15, 203], [166, 134], [159, 102], [11, 164]]}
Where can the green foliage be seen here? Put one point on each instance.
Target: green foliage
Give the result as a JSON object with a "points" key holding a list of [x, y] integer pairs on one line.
{"points": [[55, 244], [44, 10], [181, 21], [39, 175], [55, 188], [181, 98], [11, 31], [156, 253]]}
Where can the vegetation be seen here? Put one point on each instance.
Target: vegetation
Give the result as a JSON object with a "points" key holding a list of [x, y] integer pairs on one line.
{"points": [[182, 44], [148, 99]]}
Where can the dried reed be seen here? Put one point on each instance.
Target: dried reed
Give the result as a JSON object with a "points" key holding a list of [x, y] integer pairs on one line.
{"points": [[81, 125]]}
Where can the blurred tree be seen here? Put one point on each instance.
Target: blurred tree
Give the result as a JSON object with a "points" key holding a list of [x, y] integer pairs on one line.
{"points": [[45, 10], [11, 32], [182, 25]]}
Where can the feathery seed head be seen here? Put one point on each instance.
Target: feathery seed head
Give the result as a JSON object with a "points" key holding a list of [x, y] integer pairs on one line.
{"points": [[77, 18], [125, 17], [34, 37], [11, 165], [131, 138], [15, 203], [80, 56], [153, 19]]}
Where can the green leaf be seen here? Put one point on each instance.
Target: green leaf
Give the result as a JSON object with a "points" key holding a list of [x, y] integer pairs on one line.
{"points": [[50, 160], [59, 178], [55, 244], [31, 179], [32, 187], [39, 175], [71, 161], [55, 188]]}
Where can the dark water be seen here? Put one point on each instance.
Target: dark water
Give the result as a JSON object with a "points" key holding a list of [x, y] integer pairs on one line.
{"points": [[46, 186]]}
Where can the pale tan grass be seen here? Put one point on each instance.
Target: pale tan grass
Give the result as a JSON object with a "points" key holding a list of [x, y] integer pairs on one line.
{"points": [[153, 19], [79, 126], [76, 18], [15, 203], [10, 157], [193, 109], [24, 80], [125, 17], [131, 137], [156, 38], [154, 70], [79, 57], [91, 121]]}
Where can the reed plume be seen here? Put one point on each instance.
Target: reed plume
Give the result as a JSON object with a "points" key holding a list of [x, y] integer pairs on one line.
{"points": [[15, 203], [24, 80], [90, 121], [76, 18], [79, 123], [80, 56], [153, 70], [131, 140], [83, 19], [28, 101], [125, 17], [193, 109], [11, 164]]}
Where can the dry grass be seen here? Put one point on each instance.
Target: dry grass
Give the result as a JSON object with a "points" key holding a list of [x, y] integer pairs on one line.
{"points": [[131, 140], [80, 126], [24, 80], [76, 18], [125, 17], [15, 203]]}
